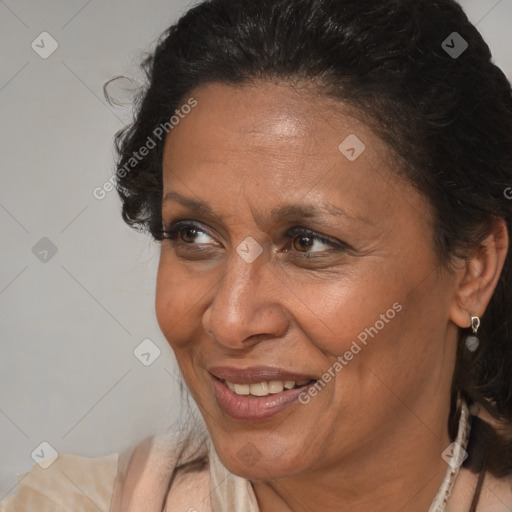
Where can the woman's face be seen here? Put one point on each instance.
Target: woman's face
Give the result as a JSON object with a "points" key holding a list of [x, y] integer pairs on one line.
{"points": [[299, 255]]}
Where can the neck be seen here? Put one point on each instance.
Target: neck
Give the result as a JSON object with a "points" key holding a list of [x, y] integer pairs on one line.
{"points": [[399, 471]]}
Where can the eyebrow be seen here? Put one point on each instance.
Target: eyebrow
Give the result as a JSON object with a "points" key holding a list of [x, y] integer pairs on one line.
{"points": [[278, 213]]}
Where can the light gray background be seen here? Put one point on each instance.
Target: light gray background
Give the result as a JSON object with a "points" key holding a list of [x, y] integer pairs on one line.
{"points": [[69, 325]]}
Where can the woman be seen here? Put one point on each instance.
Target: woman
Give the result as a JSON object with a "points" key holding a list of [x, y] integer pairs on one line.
{"points": [[329, 184]]}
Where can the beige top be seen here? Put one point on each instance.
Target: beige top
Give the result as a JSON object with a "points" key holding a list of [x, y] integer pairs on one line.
{"points": [[137, 481]]}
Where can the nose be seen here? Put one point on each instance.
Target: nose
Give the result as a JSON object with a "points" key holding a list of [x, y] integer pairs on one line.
{"points": [[246, 306]]}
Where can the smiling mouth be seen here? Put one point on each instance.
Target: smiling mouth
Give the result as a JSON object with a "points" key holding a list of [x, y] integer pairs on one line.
{"points": [[264, 388]]}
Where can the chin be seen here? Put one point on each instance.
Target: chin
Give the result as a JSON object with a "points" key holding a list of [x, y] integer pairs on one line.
{"points": [[261, 471], [255, 460]]}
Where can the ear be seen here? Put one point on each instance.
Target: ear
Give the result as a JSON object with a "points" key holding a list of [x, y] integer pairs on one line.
{"points": [[479, 276]]}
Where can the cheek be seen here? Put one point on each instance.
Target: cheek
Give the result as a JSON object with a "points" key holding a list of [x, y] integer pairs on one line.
{"points": [[392, 344], [338, 311], [376, 325], [178, 302], [177, 308]]}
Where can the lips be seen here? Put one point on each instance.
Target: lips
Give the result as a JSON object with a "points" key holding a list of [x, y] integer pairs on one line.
{"points": [[251, 408], [255, 374], [230, 384]]}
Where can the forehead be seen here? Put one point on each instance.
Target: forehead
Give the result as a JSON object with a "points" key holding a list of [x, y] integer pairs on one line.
{"points": [[271, 128], [264, 140], [269, 114]]}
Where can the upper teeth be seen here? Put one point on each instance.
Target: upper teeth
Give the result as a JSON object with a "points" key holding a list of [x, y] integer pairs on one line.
{"points": [[264, 388]]}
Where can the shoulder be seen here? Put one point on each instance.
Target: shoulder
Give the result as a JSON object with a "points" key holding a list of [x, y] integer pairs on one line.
{"points": [[190, 492], [86, 483], [137, 480], [146, 479]]}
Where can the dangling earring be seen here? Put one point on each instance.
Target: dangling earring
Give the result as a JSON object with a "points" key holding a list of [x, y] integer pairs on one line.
{"points": [[472, 341]]}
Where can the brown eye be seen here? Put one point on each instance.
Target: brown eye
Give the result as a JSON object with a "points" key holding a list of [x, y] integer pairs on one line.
{"points": [[188, 235], [303, 243], [310, 243]]}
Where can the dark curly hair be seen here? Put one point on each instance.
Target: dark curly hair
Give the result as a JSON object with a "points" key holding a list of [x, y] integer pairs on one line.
{"points": [[447, 118]]}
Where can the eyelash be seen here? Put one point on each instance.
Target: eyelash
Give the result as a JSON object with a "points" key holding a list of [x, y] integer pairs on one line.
{"points": [[172, 233]]}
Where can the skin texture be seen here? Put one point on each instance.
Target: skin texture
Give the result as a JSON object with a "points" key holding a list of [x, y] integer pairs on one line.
{"points": [[372, 438]]}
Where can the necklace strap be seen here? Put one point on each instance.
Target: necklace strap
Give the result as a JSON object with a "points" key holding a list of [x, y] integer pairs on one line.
{"points": [[454, 455]]}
